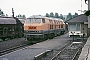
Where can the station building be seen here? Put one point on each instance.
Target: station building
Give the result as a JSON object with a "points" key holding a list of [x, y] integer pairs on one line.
{"points": [[78, 26]]}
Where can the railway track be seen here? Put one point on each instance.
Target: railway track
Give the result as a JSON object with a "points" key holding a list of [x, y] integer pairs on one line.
{"points": [[70, 52], [3, 52], [15, 48]]}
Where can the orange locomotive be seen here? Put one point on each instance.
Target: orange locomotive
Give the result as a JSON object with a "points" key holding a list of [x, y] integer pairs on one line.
{"points": [[40, 27]]}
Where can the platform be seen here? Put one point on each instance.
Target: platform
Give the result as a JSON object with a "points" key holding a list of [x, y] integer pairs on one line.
{"points": [[85, 54]]}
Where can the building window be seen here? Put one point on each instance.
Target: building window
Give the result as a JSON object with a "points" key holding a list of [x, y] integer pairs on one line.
{"points": [[72, 27], [78, 27]]}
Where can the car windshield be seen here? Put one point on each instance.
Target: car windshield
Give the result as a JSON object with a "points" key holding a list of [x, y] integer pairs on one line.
{"points": [[36, 20], [29, 21]]}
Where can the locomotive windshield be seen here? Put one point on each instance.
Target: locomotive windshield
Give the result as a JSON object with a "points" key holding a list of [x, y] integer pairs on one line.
{"points": [[36, 21], [29, 21]]}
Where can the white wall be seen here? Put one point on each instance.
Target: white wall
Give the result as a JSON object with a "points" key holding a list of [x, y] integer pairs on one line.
{"points": [[88, 4], [89, 21], [89, 15]]}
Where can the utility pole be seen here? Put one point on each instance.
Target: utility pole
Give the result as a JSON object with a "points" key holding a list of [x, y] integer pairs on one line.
{"points": [[81, 7], [88, 4], [12, 12]]}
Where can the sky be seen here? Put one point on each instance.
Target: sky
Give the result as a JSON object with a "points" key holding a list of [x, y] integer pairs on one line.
{"points": [[41, 7]]}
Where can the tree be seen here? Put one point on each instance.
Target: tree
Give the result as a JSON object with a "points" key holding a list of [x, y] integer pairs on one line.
{"points": [[87, 13], [47, 15], [69, 16], [21, 16], [56, 15], [75, 15], [1, 13], [51, 14], [61, 16]]}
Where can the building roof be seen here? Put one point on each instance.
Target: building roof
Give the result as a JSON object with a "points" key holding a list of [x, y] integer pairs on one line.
{"points": [[79, 19], [22, 20], [7, 20]]}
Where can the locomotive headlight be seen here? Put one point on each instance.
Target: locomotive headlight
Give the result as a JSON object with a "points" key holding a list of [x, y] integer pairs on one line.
{"points": [[40, 31]]}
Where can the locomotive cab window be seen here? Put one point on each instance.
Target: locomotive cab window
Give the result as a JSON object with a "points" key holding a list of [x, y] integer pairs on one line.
{"points": [[43, 20], [36, 21]]}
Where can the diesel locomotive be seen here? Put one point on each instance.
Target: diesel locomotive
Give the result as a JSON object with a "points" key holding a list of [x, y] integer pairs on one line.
{"points": [[38, 27]]}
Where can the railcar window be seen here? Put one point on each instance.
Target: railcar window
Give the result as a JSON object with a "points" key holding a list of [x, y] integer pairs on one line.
{"points": [[50, 26], [56, 22], [43, 20], [29, 21], [50, 21], [36, 21], [61, 26]]}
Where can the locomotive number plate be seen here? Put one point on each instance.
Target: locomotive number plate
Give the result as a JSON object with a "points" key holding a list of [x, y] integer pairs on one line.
{"points": [[30, 27]]}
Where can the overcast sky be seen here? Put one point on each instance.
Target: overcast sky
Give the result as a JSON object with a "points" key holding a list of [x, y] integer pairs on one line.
{"points": [[34, 7]]}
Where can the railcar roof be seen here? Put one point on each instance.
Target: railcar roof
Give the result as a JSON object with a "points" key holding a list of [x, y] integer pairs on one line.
{"points": [[7, 20]]}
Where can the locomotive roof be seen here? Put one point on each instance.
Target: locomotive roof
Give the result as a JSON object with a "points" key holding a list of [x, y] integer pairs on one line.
{"points": [[40, 16], [7, 20], [58, 19], [37, 16]]}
